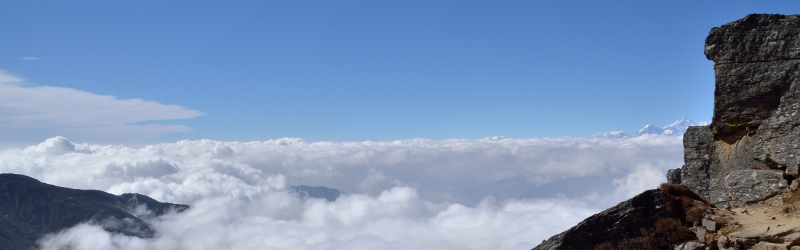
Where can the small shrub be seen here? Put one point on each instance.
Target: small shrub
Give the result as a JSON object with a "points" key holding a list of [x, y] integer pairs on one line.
{"points": [[604, 246], [681, 190], [695, 210], [673, 230], [682, 200]]}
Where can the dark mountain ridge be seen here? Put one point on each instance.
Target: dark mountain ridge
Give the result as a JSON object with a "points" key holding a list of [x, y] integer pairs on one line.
{"points": [[30, 209]]}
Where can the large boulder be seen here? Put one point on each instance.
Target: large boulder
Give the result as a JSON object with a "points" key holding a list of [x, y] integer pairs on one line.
{"points": [[617, 223], [754, 185], [698, 143]]}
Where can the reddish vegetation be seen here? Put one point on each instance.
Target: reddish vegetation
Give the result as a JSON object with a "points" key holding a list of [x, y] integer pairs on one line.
{"points": [[682, 200]]}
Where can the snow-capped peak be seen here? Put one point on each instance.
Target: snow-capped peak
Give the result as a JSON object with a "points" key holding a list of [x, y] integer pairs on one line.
{"points": [[650, 130], [677, 128], [680, 125], [612, 134]]}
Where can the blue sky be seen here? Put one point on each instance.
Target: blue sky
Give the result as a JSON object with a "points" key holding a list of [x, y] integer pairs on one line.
{"points": [[362, 70]]}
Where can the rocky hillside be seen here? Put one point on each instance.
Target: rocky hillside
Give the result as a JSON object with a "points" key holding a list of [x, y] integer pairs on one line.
{"points": [[742, 170], [30, 209]]}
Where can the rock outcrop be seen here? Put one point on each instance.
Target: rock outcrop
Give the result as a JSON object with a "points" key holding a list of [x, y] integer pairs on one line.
{"points": [[30, 209], [654, 219], [745, 163], [614, 224], [756, 100]]}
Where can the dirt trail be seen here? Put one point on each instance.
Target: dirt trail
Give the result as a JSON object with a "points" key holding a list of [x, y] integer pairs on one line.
{"points": [[776, 220]]}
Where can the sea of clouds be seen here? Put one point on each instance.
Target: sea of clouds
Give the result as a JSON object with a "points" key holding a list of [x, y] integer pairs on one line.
{"points": [[491, 193]]}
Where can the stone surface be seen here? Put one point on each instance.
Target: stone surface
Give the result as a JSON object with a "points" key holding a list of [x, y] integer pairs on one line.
{"points": [[693, 246], [622, 221], [700, 232], [674, 176], [30, 209], [755, 38], [768, 246], [698, 144], [754, 185], [710, 225]]}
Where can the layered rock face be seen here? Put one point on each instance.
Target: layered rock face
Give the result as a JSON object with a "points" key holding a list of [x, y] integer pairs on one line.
{"points": [[750, 151], [30, 209]]}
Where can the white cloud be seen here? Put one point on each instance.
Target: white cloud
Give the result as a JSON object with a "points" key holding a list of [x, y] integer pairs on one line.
{"points": [[396, 219], [30, 58], [71, 111], [492, 193], [6, 77], [375, 182], [644, 178], [453, 170]]}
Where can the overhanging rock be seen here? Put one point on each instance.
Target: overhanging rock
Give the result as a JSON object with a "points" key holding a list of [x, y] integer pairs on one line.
{"points": [[756, 110]]}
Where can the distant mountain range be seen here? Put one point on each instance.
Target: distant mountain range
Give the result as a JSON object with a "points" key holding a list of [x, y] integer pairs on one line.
{"points": [[677, 128]]}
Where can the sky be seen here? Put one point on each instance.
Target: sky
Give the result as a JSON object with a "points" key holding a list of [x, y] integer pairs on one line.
{"points": [[357, 70], [448, 124]]}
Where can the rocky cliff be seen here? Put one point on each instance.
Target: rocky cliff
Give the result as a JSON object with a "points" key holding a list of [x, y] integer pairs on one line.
{"points": [[30, 209], [756, 100], [745, 164]]}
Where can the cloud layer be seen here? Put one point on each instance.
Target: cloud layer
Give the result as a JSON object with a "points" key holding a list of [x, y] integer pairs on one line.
{"points": [[409, 194], [70, 111]]}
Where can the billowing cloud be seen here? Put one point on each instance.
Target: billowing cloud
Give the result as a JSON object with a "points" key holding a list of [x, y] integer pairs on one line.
{"points": [[492, 193], [26, 107]]}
